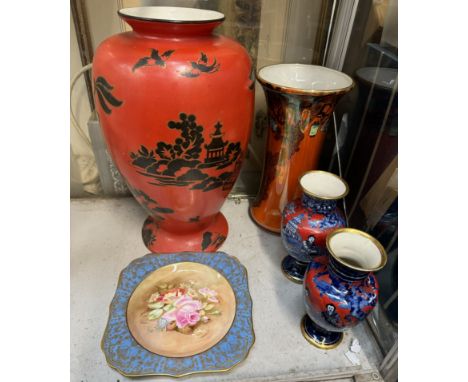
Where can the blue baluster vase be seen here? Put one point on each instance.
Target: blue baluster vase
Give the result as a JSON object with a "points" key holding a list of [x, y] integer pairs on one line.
{"points": [[308, 220], [340, 289]]}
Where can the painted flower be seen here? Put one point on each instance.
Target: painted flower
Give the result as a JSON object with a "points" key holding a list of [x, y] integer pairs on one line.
{"points": [[170, 295], [191, 292], [186, 318], [185, 312], [209, 294], [154, 297], [162, 323], [205, 319]]}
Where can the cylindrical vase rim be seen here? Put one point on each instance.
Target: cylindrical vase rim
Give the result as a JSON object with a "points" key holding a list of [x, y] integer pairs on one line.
{"points": [[276, 86], [175, 15], [321, 196]]}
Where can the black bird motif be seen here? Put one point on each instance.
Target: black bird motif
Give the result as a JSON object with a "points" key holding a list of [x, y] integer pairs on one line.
{"points": [[201, 66], [154, 59], [103, 90]]}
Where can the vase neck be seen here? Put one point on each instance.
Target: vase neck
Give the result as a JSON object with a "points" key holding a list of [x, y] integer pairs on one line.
{"points": [[152, 28], [320, 206], [354, 254], [345, 273]]}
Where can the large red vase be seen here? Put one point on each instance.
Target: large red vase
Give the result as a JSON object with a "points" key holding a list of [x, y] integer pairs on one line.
{"points": [[175, 102]]}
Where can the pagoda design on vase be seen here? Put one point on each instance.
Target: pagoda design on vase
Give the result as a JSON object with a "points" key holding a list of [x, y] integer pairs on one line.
{"points": [[182, 163], [215, 149]]}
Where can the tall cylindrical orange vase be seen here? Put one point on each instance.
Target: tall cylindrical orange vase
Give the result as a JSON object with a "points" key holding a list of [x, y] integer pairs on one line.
{"points": [[300, 101]]}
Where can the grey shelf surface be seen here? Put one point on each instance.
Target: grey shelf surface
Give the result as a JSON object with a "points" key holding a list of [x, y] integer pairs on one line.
{"points": [[106, 236]]}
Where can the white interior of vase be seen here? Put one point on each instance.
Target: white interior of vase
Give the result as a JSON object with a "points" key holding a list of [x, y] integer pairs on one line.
{"points": [[356, 250], [323, 185], [173, 14], [305, 77]]}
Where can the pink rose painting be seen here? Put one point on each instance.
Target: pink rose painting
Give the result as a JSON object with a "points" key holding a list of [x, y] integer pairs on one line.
{"points": [[182, 309], [185, 312]]}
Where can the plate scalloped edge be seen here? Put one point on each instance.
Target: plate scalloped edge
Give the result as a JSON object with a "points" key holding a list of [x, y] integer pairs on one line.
{"points": [[130, 359]]}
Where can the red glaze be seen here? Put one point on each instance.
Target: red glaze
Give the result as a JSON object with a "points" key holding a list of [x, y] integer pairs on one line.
{"points": [[176, 74], [335, 303], [305, 225]]}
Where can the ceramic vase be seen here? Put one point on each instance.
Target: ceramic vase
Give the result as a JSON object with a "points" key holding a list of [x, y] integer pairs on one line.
{"points": [[340, 289], [308, 220], [300, 100], [175, 102]]}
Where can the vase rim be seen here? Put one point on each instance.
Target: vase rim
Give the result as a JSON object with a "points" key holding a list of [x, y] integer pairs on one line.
{"points": [[176, 15], [372, 255], [316, 80], [336, 187]]}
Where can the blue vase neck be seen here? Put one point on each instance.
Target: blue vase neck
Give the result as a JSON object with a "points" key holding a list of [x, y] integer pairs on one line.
{"points": [[320, 206], [343, 272]]}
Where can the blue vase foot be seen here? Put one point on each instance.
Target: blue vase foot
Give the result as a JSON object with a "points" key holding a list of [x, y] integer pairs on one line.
{"points": [[294, 270], [321, 338]]}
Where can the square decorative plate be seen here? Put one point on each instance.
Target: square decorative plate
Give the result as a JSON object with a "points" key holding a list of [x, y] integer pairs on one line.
{"points": [[179, 314]]}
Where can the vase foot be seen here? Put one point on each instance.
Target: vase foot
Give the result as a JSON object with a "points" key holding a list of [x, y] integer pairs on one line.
{"points": [[274, 227], [159, 240], [293, 270], [321, 338]]}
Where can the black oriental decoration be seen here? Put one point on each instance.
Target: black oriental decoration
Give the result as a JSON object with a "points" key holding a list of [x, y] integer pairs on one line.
{"points": [[148, 236], [154, 59], [183, 163], [201, 66], [210, 239], [151, 206], [104, 93]]}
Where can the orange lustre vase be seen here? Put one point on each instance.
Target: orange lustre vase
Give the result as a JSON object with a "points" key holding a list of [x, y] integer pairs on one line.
{"points": [[300, 101], [175, 103]]}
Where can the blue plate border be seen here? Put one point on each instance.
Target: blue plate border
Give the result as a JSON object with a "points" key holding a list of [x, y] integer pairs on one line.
{"points": [[130, 359]]}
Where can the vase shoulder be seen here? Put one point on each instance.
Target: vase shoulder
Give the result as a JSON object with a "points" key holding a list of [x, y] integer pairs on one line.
{"points": [[304, 228], [202, 55]]}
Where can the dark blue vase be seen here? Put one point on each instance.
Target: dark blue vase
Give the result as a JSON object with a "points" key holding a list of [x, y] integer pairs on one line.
{"points": [[340, 289], [308, 220]]}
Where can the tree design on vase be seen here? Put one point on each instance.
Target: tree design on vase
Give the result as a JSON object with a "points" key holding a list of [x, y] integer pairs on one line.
{"points": [[183, 162]]}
